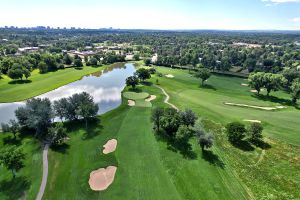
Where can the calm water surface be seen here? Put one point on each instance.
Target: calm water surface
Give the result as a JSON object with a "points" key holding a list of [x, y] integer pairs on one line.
{"points": [[105, 86]]}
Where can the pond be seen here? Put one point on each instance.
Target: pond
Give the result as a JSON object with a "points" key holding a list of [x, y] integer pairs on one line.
{"points": [[105, 86]]}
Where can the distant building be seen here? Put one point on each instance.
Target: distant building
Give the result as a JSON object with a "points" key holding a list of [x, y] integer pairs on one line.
{"points": [[27, 49], [81, 53]]}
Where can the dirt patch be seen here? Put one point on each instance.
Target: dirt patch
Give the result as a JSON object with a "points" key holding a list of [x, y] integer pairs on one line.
{"points": [[256, 107], [131, 103], [251, 120], [110, 146], [169, 76], [151, 98], [102, 178]]}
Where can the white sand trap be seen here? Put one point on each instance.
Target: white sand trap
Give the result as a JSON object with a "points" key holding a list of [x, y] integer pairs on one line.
{"points": [[257, 107], [102, 178], [255, 91], [169, 76], [246, 85], [251, 120], [151, 98], [110, 146], [131, 103]]}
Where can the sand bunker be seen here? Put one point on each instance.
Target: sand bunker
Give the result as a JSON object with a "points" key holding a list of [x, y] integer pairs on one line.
{"points": [[131, 103], [244, 84], [255, 91], [151, 98], [256, 107], [169, 76], [102, 178], [110, 146], [250, 120]]}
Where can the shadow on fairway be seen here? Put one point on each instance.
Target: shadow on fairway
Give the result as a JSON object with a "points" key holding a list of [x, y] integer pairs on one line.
{"points": [[213, 159], [14, 188], [274, 99], [185, 149], [137, 90], [209, 87], [19, 82], [262, 144]]}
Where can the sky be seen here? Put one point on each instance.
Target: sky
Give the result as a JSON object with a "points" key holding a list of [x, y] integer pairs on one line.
{"points": [[154, 14]]}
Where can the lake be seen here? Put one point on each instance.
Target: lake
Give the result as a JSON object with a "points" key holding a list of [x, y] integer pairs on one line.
{"points": [[105, 86]]}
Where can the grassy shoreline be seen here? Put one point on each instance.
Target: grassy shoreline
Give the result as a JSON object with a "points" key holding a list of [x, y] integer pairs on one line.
{"points": [[41, 83]]}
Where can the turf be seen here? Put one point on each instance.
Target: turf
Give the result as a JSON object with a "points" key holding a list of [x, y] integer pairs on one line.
{"points": [[29, 177], [40, 83], [135, 95]]}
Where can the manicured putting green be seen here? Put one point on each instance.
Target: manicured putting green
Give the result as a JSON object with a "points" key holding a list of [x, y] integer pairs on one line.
{"points": [[143, 103], [135, 95]]}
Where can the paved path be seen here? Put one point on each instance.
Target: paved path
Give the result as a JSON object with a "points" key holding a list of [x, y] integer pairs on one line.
{"points": [[45, 173], [167, 97]]}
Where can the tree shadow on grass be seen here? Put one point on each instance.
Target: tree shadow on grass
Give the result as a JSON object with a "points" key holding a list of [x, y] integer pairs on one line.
{"points": [[19, 82], [14, 188], [147, 83], [210, 87], [63, 148], [243, 145], [138, 90], [185, 149], [274, 99], [213, 159], [262, 144], [10, 140], [78, 68]]}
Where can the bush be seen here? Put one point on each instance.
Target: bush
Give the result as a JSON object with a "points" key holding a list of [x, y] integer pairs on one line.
{"points": [[236, 131]]}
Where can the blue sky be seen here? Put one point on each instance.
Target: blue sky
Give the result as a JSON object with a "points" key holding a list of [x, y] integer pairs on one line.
{"points": [[154, 14]]}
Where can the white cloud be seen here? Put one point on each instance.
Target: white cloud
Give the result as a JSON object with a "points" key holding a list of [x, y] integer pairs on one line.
{"points": [[276, 2], [296, 20]]}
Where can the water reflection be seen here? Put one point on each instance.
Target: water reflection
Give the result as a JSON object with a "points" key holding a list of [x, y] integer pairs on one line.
{"points": [[105, 86]]}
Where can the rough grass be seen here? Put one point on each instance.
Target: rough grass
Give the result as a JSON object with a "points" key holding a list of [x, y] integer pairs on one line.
{"points": [[28, 178], [135, 95], [40, 83]]}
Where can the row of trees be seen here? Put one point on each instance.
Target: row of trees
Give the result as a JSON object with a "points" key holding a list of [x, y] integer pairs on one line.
{"points": [[140, 75], [180, 126], [289, 81]]}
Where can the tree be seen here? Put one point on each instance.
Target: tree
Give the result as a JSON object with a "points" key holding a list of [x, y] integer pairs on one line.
{"points": [[132, 81], [12, 126], [67, 59], [255, 132], [87, 108], [136, 57], [26, 73], [36, 114], [206, 141], [6, 64], [170, 121], [188, 117], [250, 64], [50, 61], [78, 62], [290, 75], [12, 158], [256, 81], [273, 82], [143, 74], [57, 134], [235, 132], [93, 61], [147, 61], [15, 72], [61, 108], [295, 91], [43, 67], [203, 74], [183, 134], [156, 116]]}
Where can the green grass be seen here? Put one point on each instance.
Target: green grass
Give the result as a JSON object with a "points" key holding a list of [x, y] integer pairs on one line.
{"points": [[135, 95], [28, 178], [40, 83]]}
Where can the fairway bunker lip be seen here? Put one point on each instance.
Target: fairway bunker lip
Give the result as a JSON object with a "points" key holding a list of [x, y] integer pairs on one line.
{"points": [[255, 107], [150, 98], [110, 146], [169, 76], [252, 120], [102, 178], [131, 103]]}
